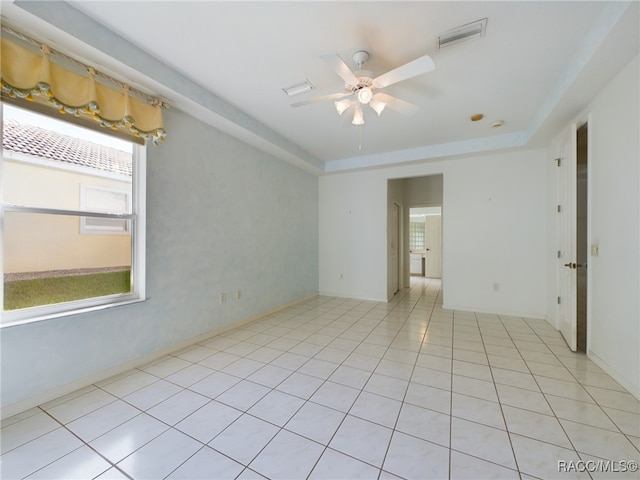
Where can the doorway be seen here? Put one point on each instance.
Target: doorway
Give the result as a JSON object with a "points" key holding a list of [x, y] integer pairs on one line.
{"points": [[582, 246], [573, 252], [425, 241]]}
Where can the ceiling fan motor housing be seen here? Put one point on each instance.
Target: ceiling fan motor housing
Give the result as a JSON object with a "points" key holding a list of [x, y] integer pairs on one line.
{"points": [[360, 57]]}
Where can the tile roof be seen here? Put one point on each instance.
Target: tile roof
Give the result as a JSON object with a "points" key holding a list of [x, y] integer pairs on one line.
{"points": [[41, 143]]}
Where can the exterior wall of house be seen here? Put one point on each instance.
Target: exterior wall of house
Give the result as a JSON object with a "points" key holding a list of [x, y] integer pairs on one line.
{"points": [[36, 242]]}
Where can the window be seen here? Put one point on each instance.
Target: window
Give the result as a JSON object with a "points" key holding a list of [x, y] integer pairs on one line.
{"points": [[72, 218], [416, 236], [100, 199]]}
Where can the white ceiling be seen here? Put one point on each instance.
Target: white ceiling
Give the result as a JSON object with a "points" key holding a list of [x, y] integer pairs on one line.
{"points": [[537, 66]]}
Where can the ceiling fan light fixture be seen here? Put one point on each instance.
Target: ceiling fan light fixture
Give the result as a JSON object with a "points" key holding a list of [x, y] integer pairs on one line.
{"points": [[378, 106], [365, 95], [358, 116], [342, 105]]}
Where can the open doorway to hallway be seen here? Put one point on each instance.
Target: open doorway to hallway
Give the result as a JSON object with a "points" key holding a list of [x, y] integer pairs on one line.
{"points": [[425, 241], [403, 194]]}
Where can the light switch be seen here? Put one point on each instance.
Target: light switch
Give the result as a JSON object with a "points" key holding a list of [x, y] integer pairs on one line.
{"points": [[595, 250]]}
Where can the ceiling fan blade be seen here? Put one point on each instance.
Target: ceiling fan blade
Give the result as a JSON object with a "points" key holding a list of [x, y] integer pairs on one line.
{"points": [[394, 103], [341, 68], [323, 98], [412, 69]]}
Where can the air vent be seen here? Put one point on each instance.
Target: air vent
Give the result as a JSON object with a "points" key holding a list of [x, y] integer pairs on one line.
{"points": [[463, 33], [299, 88]]}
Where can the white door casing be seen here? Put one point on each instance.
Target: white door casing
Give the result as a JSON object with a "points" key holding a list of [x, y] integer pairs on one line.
{"points": [[395, 244]]}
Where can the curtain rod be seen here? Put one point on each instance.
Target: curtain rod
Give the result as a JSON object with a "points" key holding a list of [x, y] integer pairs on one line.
{"points": [[151, 100]]}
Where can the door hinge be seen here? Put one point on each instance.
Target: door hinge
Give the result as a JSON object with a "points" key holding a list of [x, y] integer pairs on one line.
{"points": [[559, 209], [559, 301], [559, 253], [558, 161]]}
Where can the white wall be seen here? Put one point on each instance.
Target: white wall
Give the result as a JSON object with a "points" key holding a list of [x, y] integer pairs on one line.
{"points": [[353, 235], [614, 315], [613, 330], [221, 216], [420, 191], [494, 231]]}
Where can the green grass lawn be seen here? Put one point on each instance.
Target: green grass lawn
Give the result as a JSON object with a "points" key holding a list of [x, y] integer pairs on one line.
{"points": [[46, 291]]}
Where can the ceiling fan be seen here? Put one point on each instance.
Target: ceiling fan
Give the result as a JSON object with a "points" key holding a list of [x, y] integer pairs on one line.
{"points": [[361, 88]]}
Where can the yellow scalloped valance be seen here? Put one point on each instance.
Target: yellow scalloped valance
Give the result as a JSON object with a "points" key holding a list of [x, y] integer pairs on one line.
{"points": [[32, 76]]}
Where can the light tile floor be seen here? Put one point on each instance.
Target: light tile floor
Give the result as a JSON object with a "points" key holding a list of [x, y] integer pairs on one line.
{"points": [[338, 388]]}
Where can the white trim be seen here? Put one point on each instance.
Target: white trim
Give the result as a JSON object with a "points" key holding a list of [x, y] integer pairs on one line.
{"points": [[31, 402], [366, 299], [627, 383], [139, 238], [504, 313]]}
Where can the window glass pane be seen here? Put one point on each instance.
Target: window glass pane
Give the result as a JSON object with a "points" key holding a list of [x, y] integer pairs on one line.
{"points": [[416, 235], [46, 162], [64, 252], [48, 260]]}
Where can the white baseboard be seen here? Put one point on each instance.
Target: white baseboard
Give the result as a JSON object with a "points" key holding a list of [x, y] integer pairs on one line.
{"points": [[341, 295], [506, 313], [633, 388], [28, 403]]}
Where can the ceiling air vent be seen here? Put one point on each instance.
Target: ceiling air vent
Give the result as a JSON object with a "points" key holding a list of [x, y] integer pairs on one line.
{"points": [[460, 34], [298, 88]]}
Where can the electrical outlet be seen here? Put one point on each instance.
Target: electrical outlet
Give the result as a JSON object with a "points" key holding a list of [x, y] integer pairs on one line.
{"points": [[496, 287], [223, 298], [238, 294]]}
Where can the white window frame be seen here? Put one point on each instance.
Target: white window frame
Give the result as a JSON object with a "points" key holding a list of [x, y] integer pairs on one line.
{"points": [[115, 226], [137, 221]]}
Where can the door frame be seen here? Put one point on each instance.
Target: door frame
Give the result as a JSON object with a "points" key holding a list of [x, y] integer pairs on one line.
{"points": [[566, 192], [396, 237], [428, 205]]}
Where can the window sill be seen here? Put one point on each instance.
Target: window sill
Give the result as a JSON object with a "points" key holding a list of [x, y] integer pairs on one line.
{"points": [[39, 314]]}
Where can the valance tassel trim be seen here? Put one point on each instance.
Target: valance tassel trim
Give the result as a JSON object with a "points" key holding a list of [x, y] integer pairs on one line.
{"points": [[30, 76]]}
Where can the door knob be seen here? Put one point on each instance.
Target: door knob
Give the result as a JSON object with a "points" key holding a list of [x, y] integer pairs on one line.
{"points": [[570, 265]]}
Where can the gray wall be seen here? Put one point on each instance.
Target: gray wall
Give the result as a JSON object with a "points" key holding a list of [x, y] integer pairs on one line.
{"points": [[221, 216]]}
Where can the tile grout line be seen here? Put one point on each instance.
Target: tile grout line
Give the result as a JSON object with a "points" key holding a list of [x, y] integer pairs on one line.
{"points": [[493, 380]]}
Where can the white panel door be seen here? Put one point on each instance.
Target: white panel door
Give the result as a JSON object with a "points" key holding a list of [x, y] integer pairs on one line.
{"points": [[433, 244], [567, 228]]}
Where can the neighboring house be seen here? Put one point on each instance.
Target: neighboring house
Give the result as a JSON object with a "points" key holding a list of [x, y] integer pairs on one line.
{"points": [[68, 174]]}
